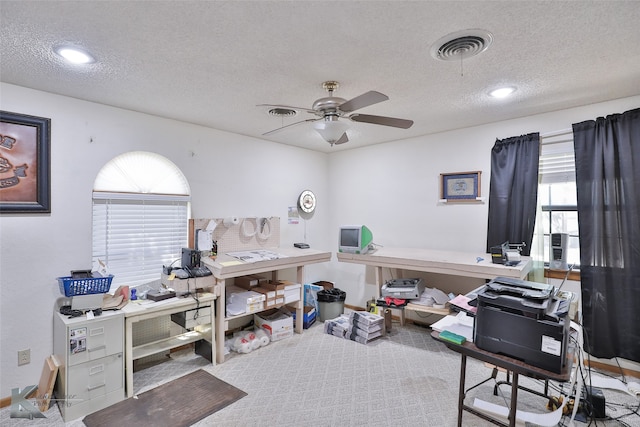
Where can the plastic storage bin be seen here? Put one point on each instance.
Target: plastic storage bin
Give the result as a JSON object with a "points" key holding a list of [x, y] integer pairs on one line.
{"points": [[331, 303], [70, 287]]}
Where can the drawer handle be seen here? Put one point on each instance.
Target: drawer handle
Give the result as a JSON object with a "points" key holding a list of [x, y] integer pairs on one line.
{"points": [[93, 387], [97, 331], [100, 347], [96, 369]]}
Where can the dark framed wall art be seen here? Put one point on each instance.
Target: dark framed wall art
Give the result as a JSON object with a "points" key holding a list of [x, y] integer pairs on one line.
{"points": [[460, 186], [25, 163]]}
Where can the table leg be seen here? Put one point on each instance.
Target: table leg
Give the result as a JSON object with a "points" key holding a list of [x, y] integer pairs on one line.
{"points": [[128, 356], [213, 333], [219, 322], [514, 400], [463, 370], [299, 306], [378, 281]]}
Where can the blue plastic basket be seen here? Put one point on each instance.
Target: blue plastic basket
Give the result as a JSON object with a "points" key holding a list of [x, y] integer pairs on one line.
{"points": [[93, 285]]}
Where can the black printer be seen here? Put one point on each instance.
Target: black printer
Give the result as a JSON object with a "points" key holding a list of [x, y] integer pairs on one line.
{"points": [[524, 320]]}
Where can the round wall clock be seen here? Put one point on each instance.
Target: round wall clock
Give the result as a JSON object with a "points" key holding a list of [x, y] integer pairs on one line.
{"points": [[307, 201]]}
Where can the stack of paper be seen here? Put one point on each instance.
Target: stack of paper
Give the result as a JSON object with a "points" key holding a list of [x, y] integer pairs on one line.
{"points": [[337, 326], [461, 302], [359, 326], [460, 324]]}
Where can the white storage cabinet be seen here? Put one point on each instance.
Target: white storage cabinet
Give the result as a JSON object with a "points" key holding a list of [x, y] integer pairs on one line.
{"points": [[90, 352]]}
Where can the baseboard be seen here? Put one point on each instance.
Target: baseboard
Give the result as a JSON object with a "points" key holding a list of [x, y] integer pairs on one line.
{"points": [[612, 368], [5, 401]]}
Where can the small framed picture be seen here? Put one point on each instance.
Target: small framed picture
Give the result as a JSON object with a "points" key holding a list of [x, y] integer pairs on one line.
{"points": [[24, 163], [460, 186]]}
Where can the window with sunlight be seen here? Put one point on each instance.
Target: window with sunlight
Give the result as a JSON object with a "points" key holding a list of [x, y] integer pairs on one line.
{"points": [[140, 216], [557, 196]]}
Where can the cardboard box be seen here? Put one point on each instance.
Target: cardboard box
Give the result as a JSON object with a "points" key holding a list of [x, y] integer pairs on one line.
{"points": [[287, 289], [308, 318], [273, 302], [277, 286], [311, 295], [277, 323], [269, 294], [325, 285], [249, 282]]}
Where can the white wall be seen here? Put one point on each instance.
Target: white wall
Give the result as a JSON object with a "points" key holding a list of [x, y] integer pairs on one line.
{"points": [[228, 174], [392, 188]]}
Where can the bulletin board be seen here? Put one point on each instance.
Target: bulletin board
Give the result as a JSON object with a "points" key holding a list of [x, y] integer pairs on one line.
{"points": [[236, 234]]}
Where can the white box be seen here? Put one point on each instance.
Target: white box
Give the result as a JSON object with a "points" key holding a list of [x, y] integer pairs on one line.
{"points": [[291, 292], [246, 302], [276, 323]]}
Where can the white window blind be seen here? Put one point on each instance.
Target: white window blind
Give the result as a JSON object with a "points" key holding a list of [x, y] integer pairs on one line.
{"points": [[136, 234], [140, 216], [557, 159]]}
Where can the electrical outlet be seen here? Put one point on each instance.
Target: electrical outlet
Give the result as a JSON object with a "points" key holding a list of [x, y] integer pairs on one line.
{"points": [[24, 357]]}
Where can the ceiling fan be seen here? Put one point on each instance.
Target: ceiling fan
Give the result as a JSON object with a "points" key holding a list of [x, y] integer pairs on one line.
{"points": [[330, 109]]}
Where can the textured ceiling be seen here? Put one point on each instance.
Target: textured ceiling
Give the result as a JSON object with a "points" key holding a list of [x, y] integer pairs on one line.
{"points": [[212, 62]]}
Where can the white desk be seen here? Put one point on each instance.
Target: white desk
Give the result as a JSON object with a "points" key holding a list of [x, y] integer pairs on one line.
{"points": [[136, 311], [435, 261], [226, 267]]}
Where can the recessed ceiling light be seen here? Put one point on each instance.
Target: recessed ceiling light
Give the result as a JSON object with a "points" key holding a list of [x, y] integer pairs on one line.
{"points": [[74, 55], [502, 92]]}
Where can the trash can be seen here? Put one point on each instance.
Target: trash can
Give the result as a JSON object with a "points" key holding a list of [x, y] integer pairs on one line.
{"points": [[331, 303]]}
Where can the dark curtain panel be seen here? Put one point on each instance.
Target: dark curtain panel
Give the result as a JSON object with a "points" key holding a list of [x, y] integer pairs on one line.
{"points": [[513, 190], [608, 184]]}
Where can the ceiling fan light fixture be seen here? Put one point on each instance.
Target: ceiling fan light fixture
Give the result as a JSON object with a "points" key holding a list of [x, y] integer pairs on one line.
{"points": [[331, 129]]}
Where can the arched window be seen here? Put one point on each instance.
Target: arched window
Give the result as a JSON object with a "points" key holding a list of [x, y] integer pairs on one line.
{"points": [[140, 216]]}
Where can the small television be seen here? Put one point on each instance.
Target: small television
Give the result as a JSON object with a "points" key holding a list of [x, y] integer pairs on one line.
{"points": [[354, 239]]}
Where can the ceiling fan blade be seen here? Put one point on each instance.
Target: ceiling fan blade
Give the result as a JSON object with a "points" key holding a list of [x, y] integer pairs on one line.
{"points": [[344, 138], [364, 100], [381, 120], [288, 107], [289, 125]]}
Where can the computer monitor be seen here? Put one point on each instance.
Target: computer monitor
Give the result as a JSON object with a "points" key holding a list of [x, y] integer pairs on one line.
{"points": [[354, 239]]}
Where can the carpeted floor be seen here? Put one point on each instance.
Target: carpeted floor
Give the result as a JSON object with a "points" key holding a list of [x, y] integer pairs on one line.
{"points": [[404, 378]]}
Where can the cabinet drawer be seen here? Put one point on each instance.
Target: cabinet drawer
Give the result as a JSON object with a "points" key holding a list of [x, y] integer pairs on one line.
{"points": [[95, 339], [95, 379]]}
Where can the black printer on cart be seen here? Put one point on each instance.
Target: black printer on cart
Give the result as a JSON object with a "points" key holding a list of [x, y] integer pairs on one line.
{"points": [[523, 320]]}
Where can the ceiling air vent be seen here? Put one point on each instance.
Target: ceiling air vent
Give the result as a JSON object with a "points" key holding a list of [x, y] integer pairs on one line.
{"points": [[461, 45], [282, 112]]}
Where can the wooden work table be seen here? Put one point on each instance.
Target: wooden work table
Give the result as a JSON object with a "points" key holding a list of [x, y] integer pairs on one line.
{"points": [[454, 263], [227, 267], [137, 311]]}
